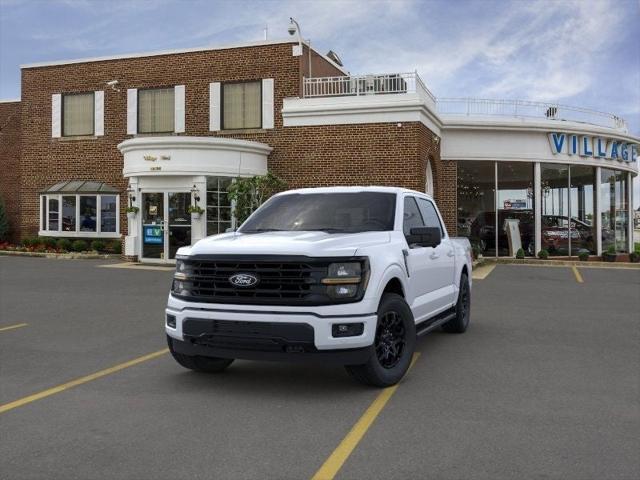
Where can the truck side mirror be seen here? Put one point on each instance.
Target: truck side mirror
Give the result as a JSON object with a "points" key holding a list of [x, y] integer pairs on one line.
{"points": [[424, 237]]}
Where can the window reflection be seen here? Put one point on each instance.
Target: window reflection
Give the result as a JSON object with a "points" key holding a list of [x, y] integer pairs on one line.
{"points": [[88, 213], [614, 210], [476, 204], [516, 226]]}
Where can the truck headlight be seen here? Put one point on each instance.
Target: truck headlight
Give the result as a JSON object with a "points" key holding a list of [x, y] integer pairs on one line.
{"points": [[182, 278], [343, 279]]}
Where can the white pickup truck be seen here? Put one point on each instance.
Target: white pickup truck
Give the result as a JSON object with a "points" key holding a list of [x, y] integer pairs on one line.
{"points": [[350, 275]]}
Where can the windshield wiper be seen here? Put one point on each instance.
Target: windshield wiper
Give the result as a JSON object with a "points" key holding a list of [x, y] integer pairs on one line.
{"points": [[328, 230]]}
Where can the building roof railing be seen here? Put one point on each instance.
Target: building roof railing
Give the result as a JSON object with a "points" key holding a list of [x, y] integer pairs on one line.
{"points": [[528, 109], [403, 83], [357, 85]]}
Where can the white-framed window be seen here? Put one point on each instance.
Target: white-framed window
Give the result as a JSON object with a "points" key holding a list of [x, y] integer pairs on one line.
{"points": [[241, 105], [78, 114], [80, 215], [156, 110], [219, 208]]}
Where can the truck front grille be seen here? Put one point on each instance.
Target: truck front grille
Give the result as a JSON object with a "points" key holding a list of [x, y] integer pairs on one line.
{"points": [[280, 281]]}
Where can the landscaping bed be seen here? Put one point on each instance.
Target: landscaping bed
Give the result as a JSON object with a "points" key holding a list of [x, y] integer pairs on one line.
{"points": [[63, 248]]}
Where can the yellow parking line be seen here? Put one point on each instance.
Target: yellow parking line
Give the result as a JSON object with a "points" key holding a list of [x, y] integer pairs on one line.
{"points": [[11, 327], [79, 381], [577, 274], [334, 463]]}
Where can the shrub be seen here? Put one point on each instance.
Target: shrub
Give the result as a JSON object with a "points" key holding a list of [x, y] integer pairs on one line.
{"points": [[520, 253], [98, 245], [48, 242], [4, 222], [64, 244], [29, 242], [583, 256], [611, 250], [634, 257], [79, 246], [477, 251], [247, 194], [115, 246], [543, 254]]}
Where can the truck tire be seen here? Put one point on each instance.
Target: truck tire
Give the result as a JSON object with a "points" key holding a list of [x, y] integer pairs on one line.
{"points": [[199, 364], [393, 346], [463, 308]]}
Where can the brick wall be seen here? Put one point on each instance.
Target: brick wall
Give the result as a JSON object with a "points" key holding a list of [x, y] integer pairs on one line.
{"points": [[370, 154], [10, 163]]}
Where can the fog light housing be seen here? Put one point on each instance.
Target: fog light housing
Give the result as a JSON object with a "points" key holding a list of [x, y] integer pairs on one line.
{"points": [[171, 321], [347, 329], [342, 291]]}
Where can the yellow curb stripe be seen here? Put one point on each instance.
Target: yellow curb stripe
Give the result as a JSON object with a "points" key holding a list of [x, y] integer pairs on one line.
{"points": [[79, 381], [577, 274], [334, 463], [11, 327], [483, 271]]}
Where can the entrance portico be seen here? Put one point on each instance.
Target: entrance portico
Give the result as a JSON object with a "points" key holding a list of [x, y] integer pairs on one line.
{"points": [[167, 174]]}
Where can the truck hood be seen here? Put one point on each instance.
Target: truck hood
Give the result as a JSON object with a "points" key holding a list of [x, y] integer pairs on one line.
{"points": [[312, 244]]}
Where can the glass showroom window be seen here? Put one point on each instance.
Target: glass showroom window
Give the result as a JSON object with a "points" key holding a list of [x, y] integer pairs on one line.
{"points": [[554, 181], [614, 210], [477, 204], [156, 110], [80, 215], [77, 114], [218, 205], [241, 105], [515, 207], [582, 204]]}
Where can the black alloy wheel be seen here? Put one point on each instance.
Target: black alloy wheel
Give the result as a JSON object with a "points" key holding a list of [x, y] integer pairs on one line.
{"points": [[390, 339]]}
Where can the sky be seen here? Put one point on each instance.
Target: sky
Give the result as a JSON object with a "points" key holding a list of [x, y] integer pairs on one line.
{"points": [[584, 53]]}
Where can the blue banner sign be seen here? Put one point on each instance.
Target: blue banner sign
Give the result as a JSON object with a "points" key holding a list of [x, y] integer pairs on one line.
{"points": [[153, 235]]}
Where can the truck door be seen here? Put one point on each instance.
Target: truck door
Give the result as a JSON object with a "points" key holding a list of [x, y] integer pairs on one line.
{"points": [[423, 281], [442, 258]]}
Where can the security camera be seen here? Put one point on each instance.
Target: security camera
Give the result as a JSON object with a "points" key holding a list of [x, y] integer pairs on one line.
{"points": [[112, 83], [292, 29]]}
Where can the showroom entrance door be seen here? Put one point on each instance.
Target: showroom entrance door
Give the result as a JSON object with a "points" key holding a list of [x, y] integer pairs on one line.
{"points": [[166, 225]]}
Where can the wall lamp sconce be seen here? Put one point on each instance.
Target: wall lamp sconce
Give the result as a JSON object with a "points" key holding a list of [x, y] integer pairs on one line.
{"points": [[194, 192], [132, 197]]}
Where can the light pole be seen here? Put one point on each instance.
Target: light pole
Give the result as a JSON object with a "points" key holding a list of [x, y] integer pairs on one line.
{"points": [[294, 28]]}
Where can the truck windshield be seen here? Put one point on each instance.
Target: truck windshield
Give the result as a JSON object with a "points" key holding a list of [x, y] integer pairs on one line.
{"points": [[329, 212]]}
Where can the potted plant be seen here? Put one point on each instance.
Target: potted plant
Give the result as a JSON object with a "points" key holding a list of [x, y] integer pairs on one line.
{"points": [[131, 212], [583, 256], [635, 255], [195, 211], [610, 255], [520, 254]]}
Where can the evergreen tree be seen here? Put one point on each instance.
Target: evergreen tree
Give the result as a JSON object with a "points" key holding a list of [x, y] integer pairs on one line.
{"points": [[4, 222]]}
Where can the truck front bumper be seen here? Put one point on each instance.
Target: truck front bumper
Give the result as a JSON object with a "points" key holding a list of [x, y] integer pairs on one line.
{"points": [[270, 333]]}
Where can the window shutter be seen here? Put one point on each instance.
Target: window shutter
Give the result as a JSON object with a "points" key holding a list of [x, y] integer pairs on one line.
{"points": [[98, 111], [56, 115], [267, 103], [132, 111], [214, 106], [179, 108]]}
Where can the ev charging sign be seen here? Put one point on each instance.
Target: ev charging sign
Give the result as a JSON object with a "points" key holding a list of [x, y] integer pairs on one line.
{"points": [[595, 147]]}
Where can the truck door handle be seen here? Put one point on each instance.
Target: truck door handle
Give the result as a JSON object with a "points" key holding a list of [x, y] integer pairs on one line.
{"points": [[433, 256], [450, 253]]}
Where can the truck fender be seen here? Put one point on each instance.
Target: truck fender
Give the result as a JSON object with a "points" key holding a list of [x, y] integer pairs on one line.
{"points": [[392, 271]]}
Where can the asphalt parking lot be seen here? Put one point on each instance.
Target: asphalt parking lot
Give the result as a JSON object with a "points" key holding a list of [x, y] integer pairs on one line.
{"points": [[544, 384]]}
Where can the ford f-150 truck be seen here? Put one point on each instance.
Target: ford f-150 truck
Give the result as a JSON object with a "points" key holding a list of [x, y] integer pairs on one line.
{"points": [[350, 275]]}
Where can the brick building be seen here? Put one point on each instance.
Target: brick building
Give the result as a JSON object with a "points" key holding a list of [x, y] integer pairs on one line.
{"points": [[161, 131]]}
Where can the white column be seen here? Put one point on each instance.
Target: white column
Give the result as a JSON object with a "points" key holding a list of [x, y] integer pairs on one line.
{"points": [[199, 227], [630, 212], [598, 213], [537, 209], [132, 242]]}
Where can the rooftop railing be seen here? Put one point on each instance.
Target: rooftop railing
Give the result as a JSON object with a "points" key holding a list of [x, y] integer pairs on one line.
{"points": [[357, 85], [401, 83], [528, 109]]}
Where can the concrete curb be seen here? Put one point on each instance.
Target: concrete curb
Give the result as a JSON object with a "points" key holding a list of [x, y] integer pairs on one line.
{"points": [[564, 263], [63, 256]]}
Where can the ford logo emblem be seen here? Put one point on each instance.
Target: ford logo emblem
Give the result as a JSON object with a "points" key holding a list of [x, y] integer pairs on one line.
{"points": [[243, 280]]}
